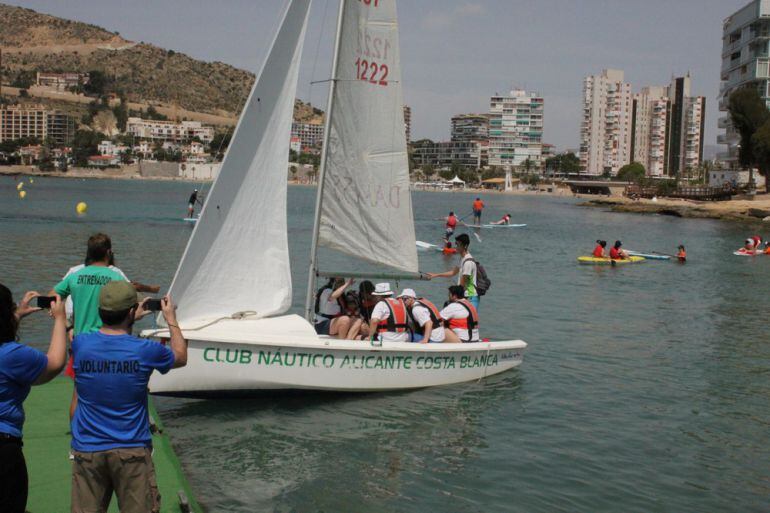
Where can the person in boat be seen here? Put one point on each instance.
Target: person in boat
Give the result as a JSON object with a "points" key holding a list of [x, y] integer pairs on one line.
{"points": [[461, 315], [506, 219], [192, 202], [22, 367], [427, 321], [681, 254], [616, 253], [749, 246], [111, 441], [478, 206], [366, 300], [329, 306], [390, 321], [467, 270], [599, 250]]}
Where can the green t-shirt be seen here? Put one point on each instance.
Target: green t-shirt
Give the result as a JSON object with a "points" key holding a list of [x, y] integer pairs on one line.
{"points": [[84, 286]]}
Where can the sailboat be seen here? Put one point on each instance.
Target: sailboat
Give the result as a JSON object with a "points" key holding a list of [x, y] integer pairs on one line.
{"points": [[233, 284]]}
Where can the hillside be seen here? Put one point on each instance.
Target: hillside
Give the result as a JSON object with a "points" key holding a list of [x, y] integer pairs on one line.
{"points": [[144, 73]]}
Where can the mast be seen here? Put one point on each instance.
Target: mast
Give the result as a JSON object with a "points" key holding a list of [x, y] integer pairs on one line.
{"points": [[310, 297]]}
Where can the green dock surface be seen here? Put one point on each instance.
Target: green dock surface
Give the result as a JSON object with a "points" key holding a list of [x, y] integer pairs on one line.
{"points": [[47, 446]]}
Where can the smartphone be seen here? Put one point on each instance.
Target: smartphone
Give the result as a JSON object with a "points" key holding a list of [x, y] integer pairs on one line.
{"points": [[152, 305], [45, 301]]}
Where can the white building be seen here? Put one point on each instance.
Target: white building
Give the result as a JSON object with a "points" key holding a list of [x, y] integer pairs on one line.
{"points": [[310, 134], [516, 129], [605, 134], [745, 61], [733, 177], [108, 148], [169, 130], [295, 144]]}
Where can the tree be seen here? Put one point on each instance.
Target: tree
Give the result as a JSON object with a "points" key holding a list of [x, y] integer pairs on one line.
{"points": [[633, 172], [570, 163], [760, 143], [219, 144], [748, 113], [121, 114], [428, 170], [85, 144], [97, 83]]}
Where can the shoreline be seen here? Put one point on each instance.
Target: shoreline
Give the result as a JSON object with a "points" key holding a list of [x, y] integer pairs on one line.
{"points": [[731, 210]]}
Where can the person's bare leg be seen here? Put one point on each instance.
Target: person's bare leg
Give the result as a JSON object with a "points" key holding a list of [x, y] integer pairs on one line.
{"points": [[339, 327], [450, 337], [355, 329], [73, 403]]}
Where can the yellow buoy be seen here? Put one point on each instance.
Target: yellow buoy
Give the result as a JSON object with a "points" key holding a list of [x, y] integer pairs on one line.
{"points": [[18, 187], [22, 194], [81, 208]]}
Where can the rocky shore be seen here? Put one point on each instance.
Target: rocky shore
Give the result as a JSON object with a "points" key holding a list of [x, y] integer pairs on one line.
{"points": [[734, 210]]}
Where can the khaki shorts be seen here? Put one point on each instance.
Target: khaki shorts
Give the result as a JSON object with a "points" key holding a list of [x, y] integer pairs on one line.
{"points": [[129, 473]]}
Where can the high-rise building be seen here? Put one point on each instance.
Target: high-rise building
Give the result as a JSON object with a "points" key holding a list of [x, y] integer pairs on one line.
{"points": [[667, 127], [470, 127], [408, 123], [516, 129], [605, 134], [311, 135], [745, 62]]}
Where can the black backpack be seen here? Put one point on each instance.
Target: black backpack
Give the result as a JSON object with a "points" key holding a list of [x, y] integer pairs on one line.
{"points": [[482, 280]]}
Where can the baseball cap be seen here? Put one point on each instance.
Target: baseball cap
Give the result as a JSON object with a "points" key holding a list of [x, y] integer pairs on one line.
{"points": [[117, 296]]}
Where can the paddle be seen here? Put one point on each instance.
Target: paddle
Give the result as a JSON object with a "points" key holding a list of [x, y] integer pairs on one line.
{"points": [[478, 238]]}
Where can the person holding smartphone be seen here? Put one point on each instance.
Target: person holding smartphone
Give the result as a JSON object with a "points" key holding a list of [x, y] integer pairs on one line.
{"points": [[21, 367]]}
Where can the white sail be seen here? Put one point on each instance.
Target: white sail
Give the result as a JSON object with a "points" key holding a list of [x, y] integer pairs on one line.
{"points": [[237, 258], [366, 208]]}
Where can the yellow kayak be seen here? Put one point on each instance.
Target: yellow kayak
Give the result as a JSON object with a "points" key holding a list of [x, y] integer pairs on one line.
{"points": [[590, 260]]}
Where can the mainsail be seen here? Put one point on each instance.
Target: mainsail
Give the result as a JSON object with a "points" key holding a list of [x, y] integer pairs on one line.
{"points": [[237, 258], [366, 207]]}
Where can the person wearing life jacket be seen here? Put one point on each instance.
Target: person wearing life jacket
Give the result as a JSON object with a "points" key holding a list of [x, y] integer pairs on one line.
{"points": [[757, 242], [616, 253], [681, 254], [448, 249], [478, 206], [506, 219], [329, 307], [749, 247], [429, 326], [451, 224], [461, 316], [599, 249], [390, 321]]}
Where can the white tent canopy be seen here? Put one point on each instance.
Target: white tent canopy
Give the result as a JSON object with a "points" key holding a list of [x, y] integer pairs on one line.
{"points": [[457, 180]]}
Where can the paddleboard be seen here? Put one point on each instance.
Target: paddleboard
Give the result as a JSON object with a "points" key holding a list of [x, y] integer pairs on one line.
{"points": [[495, 225], [426, 246], [649, 256], [190, 219], [590, 260]]}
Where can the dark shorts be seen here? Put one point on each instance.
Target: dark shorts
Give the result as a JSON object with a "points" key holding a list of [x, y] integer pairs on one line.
{"points": [[322, 328], [477, 213], [13, 476]]}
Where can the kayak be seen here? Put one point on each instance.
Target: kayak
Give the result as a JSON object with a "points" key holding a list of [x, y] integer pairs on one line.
{"points": [[745, 252], [649, 256], [590, 260]]}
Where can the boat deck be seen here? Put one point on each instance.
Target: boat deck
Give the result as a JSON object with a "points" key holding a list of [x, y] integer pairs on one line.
{"points": [[47, 445]]}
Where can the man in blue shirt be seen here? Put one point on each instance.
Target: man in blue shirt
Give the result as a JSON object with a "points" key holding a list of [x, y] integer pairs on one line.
{"points": [[111, 438]]}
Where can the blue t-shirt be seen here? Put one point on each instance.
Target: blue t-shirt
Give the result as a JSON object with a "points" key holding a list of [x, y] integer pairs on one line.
{"points": [[20, 366], [111, 375]]}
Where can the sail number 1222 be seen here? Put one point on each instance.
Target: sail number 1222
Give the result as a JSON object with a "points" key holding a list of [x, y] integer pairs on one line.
{"points": [[372, 72]]}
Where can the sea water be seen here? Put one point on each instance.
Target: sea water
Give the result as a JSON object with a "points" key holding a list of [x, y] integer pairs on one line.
{"points": [[644, 387]]}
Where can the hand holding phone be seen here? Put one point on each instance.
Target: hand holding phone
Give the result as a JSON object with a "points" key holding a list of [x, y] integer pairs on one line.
{"points": [[152, 305], [45, 301]]}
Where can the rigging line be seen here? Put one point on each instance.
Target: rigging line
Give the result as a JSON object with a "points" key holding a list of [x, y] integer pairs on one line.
{"points": [[317, 50]]}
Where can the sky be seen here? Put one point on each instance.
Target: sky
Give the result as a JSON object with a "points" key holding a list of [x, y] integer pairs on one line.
{"points": [[455, 54]]}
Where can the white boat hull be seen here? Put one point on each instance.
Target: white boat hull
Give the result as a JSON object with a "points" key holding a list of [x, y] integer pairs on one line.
{"points": [[225, 367]]}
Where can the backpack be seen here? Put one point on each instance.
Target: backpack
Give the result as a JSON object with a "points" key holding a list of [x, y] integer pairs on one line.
{"points": [[482, 280]]}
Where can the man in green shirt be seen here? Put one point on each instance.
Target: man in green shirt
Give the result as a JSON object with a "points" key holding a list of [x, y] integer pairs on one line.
{"points": [[84, 285]]}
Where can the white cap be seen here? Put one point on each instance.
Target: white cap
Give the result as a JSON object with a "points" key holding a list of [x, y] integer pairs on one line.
{"points": [[382, 289], [408, 293]]}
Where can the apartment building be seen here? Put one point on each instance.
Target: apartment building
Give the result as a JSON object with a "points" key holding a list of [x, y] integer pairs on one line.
{"points": [[516, 129], [157, 130], [667, 128], [24, 121], [605, 134], [61, 81], [310, 135], [470, 127], [745, 62], [469, 154]]}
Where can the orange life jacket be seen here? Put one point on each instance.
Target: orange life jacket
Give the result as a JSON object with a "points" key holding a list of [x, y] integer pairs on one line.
{"points": [[449, 251], [469, 323], [435, 316], [451, 222], [682, 254], [397, 317]]}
